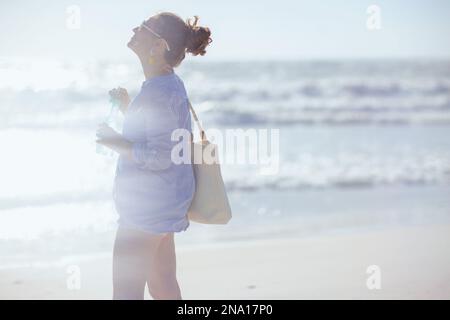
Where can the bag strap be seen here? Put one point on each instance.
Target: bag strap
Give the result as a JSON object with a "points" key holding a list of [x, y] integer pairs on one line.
{"points": [[200, 128]]}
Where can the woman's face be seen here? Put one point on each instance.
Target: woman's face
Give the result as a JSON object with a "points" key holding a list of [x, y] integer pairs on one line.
{"points": [[143, 40]]}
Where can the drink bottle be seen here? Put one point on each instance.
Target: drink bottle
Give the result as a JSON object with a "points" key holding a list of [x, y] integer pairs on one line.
{"points": [[113, 120]]}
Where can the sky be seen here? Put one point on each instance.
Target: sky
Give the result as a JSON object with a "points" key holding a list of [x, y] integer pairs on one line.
{"points": [[241, 30]]}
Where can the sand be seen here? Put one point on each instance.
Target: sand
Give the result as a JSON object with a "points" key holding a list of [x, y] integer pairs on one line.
{"points": [[413, 263]]}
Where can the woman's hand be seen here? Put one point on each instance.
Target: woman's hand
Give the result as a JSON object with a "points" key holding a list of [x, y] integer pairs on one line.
{"points": [[107, 134], [110, 138], [121, 96]]}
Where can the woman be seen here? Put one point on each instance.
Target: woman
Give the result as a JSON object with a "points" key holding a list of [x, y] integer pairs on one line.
{"points": [[151, 193]]}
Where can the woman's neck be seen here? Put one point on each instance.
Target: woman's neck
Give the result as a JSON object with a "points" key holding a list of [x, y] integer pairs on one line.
{"points": [[154, 70]]}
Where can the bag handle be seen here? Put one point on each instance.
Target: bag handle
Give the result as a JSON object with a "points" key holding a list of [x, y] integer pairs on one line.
{"points": [[200, 128]]}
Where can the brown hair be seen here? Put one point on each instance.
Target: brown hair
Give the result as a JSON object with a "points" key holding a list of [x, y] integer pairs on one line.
{"points": [[181, 36]]}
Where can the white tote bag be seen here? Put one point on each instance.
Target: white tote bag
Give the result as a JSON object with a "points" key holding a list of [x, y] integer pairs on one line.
{"points": [[210, 203]]}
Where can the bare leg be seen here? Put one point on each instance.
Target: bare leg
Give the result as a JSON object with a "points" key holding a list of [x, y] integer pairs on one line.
{"points": [[134, 252], [161, 276]]}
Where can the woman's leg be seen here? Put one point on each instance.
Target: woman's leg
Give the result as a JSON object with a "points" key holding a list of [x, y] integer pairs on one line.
{"points": [[161, 277], [134, 252]]}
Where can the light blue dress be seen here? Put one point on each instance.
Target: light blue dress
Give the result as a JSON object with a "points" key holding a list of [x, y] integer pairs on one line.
{"points": [[151, 192]]}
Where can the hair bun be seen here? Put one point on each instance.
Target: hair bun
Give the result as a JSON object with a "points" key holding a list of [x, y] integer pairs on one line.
{"points": [[198, 38]]}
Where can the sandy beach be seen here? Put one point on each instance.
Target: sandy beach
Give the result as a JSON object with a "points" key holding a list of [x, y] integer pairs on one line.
{"points": [[414, 263]]}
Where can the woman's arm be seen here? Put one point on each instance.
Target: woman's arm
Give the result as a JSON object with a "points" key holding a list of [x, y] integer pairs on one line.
{"points": [[154, 152], [113, 140]]}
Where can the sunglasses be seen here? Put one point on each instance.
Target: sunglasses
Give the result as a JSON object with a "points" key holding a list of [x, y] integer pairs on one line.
{"points": [[143, 25]]}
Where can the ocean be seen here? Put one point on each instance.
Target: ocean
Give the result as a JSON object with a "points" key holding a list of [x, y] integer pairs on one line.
{"points": [[362, 144]]}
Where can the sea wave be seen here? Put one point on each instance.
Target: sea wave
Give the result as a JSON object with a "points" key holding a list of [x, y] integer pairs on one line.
{"points": [[345, 170], [43, 93], [86, 108]]}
